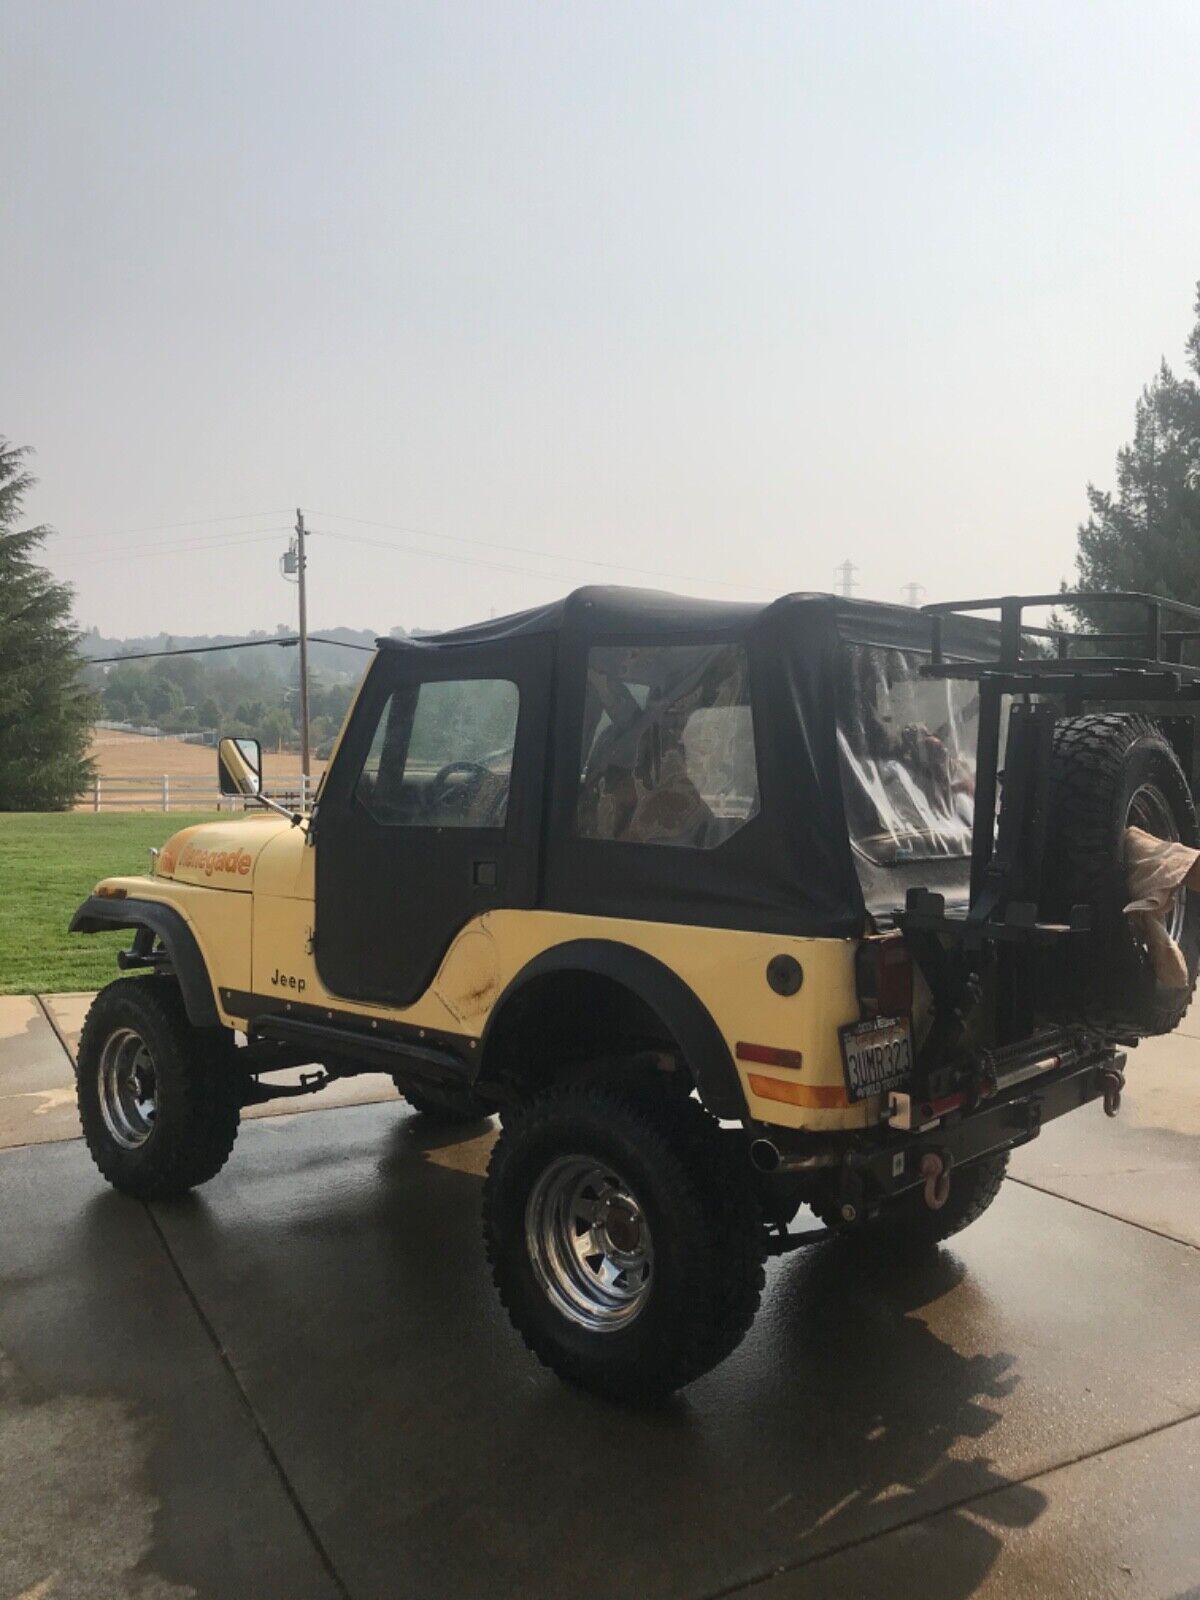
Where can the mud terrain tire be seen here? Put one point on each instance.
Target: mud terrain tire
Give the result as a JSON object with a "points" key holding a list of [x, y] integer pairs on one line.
{"points": [[1106, 771], [704, 1232], [193, 1088]]}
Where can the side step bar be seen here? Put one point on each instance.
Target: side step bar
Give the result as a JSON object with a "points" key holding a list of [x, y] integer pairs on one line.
{"points": [[365, 1050]]}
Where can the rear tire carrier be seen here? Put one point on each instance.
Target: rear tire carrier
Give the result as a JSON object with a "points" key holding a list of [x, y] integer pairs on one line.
{"points": [[1111, 771]]}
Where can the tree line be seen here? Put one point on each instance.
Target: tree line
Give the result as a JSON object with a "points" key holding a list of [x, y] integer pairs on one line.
{"points": [[199, 694]]}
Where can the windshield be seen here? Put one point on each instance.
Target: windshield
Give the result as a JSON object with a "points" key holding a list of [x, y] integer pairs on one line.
{"points": [[907, 751]]}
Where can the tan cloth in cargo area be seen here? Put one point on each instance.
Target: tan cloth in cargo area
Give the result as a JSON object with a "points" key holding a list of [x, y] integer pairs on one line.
{"points": [[1154, 870]]}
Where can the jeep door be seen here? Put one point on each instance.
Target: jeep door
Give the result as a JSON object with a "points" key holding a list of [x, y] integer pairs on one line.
{"points": [[432, 811]]}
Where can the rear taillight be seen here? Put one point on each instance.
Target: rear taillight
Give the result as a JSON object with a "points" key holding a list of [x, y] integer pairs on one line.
{"points": [[884, 977]]}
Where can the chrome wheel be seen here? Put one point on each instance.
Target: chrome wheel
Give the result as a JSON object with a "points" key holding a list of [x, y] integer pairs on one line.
{"points": [[128, 1088], [1150, 810], [589, 1243]]}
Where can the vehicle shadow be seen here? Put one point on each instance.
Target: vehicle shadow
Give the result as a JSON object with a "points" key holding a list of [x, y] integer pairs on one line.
{"points": [[899, 1417], [437, 1458]]}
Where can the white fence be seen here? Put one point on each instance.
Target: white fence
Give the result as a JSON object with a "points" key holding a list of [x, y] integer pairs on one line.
{"points": [[142, 732], [174, 792]]}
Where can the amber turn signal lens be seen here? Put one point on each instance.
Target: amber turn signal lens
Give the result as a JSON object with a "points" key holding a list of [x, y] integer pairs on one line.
{"points": [[813, 1096]]}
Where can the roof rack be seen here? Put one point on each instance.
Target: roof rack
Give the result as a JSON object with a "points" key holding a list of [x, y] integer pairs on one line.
{"points": [[1156, 648], [1008, 837]]}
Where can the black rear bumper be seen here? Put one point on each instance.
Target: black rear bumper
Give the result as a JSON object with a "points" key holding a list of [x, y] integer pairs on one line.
{"points": [[872, 1166]]}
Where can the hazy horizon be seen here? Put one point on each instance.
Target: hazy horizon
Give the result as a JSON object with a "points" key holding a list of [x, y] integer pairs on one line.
{"points": [[511, 298]]}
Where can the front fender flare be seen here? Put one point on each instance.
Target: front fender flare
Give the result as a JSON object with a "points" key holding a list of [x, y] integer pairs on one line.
{"points": [[684, 1015], [99, 914]]}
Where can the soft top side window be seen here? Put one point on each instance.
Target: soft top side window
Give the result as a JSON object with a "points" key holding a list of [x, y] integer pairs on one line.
{"points": [[667, 752]]}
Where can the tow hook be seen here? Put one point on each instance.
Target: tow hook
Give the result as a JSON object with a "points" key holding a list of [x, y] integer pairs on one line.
{"points": [[936, 1174], [1113, 1080]]}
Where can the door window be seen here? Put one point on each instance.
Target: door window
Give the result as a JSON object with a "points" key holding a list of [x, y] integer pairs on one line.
{"points": [[441, 756]]}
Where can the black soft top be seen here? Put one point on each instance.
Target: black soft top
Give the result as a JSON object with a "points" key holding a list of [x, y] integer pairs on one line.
{"points": [[609, 611], [790, 868]]}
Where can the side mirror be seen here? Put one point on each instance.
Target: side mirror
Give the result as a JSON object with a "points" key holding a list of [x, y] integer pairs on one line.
{"points": [[239, 767]]}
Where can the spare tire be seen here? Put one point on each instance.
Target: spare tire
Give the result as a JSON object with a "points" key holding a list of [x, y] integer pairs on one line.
{"points": [[1110, 771]]}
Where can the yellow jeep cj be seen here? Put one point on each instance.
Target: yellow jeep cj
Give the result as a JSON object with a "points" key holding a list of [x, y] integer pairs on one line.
{"points": [[725, 909]]}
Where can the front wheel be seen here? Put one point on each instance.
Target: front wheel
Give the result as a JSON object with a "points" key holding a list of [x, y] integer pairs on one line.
{"points": [[624, 1238], [158, 1098]]}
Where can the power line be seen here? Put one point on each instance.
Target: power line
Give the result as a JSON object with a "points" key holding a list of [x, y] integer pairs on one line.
{"points": [[433, 555], [163, 527], [317, 638], [545, 555], [199, 543], [210, 649], [164, 547]]}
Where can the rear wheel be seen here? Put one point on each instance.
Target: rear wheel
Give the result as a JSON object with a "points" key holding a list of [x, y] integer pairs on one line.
{"points": [[159, 1099], [624, 1238]]}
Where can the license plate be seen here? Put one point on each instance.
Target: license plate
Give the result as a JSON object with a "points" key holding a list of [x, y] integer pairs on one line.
{"points": [[876, 1055]]}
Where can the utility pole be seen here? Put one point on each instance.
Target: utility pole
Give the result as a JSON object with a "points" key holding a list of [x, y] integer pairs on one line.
{"points": [[914, 591], [301, 571]]}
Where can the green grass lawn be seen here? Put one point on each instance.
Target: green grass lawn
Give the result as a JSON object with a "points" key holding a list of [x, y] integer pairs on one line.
{"points": [[49, 863]]}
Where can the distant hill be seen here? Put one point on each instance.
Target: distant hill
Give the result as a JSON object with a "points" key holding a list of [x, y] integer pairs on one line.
{"points": [[250, 691]]}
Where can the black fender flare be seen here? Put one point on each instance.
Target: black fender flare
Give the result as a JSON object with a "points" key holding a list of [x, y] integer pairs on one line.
{"points": [[102, 914], [681, 1011]]}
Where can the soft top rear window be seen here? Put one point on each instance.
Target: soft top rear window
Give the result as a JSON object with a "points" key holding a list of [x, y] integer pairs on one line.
{"points": [[906, 745]]}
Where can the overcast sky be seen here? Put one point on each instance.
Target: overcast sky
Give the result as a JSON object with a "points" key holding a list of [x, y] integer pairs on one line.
{"points": [[708, 296]]}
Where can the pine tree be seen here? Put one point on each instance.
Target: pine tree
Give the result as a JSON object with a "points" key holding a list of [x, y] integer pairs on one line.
{"points": [[1145, 535], [45, 710]]}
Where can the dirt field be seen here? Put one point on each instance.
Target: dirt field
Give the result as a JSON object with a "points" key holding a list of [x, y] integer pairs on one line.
{"points": [[131, 766]]}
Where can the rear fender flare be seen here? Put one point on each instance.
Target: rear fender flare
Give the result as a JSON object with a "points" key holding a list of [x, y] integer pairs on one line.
{"points": [[682, 1013], [99, 914]]}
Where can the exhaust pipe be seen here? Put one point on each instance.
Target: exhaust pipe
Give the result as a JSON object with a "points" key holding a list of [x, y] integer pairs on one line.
{"points": [[768, 1157]]}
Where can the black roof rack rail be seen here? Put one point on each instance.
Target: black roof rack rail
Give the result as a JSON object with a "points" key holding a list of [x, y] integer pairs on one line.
{"points": [[1154, 634]]}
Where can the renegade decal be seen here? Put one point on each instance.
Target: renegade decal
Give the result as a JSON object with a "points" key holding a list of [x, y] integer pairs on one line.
{"points": [[210, 861]]}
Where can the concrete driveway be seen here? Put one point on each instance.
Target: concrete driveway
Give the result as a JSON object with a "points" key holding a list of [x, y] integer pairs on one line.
{"points": [[298, 1383]]}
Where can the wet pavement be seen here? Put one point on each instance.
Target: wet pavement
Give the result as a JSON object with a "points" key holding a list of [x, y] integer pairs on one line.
{"points": [[298, 1382]]}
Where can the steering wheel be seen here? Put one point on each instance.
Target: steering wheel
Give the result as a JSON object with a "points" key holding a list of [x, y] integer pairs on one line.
{"points": [[439, 791]]}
